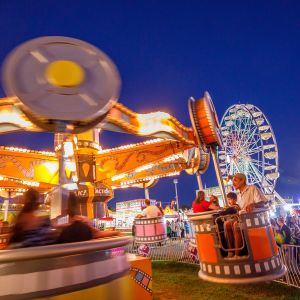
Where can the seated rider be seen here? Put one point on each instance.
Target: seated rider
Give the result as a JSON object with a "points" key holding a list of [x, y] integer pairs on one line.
{"points": [[79, 228], [151, 211], [233, 207], [30, 228], [249, 197], [201, 205]]}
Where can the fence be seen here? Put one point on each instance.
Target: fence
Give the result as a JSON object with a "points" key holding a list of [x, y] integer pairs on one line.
{"points": [[173, 249], [181, 250], [290, 256]]}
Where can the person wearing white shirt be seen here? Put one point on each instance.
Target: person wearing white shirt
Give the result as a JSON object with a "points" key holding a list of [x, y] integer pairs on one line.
{"points": [[151, 211], [249, 196]]}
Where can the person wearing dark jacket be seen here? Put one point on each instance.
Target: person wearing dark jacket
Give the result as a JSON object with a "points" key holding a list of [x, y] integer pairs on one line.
{"points": [[284, 230]]}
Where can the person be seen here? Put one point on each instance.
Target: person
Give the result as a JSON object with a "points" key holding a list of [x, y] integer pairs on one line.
{"points": [[233, 207], [249, 197], [151, 211], [274, 225], [161, 209], [283, 234], [182, 229], [231, 228], [178, 229], [291, 222], [201, 205], [79, 228], [186, 228], [30, 229], [169, 230], [173, 229], [214, 200], [173, 205]]}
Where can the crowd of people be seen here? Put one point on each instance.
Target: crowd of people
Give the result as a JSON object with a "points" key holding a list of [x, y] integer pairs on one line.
{"points": [[177, 229], [286, 230]]}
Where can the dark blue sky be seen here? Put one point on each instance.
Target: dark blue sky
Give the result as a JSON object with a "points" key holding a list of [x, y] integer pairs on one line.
{"points": [[166, 51]]}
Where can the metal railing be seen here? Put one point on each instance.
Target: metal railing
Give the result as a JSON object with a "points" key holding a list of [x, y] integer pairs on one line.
{"points": [[290, 256], [173, 249], [181, 250]]}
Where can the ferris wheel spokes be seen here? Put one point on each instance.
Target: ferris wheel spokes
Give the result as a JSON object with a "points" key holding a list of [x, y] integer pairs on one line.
{"points": [[249, 146]]}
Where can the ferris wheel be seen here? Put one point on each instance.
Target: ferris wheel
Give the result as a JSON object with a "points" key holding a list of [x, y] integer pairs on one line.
{"points": [[249, 146]]}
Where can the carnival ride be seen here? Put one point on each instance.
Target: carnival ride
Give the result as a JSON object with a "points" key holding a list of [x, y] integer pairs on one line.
{"points": [[71, 94], [250, 147], [73, 91]]}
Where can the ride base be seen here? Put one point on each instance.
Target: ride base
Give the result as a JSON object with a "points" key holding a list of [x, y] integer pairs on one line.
{"points": [[96, 269]]}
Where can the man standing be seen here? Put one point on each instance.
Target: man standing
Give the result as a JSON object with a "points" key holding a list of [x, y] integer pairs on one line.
{"points": [[151, 211]]}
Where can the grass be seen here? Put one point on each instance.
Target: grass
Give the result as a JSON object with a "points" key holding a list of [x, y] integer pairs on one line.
{"points": [[180, 281]]}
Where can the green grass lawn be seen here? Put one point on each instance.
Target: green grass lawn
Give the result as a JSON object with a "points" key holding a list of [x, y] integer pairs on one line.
{"points": [[180, 281]]}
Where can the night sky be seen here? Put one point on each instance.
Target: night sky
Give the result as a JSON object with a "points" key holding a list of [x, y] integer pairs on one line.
{"points": [[167, 51]]}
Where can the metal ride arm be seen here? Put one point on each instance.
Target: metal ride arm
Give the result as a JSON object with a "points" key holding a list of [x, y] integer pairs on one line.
{"points": [[155, 124], [28, 167], [116, 163], [218, 174], [119, 119]]}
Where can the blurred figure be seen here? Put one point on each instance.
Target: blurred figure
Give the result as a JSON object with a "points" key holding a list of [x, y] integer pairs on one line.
{"points": [[283, 234], [79, 227], [173, 205], [31, 229], [291, 222], [201, 205], [186, 228], [173, 229], [169, 230], [161, 210], [151, 211], [178, 229], [182, 229], [214, 200], [274, 225]]}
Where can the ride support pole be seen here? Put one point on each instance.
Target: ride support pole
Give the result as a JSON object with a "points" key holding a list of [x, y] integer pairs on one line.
{"points": [[218, 173]]}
